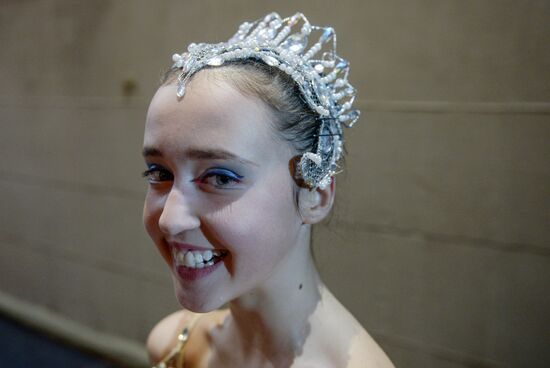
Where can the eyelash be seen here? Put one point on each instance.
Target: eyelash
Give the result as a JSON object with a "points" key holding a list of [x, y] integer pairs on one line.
{"points": [[154, 175], [156, 170], [219, 173]]}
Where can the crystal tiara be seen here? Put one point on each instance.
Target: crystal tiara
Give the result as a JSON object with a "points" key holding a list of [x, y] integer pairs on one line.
{"points": [[323, 81]]}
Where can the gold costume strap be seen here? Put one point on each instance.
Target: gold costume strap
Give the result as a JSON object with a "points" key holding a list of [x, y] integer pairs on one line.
{"points": [[175, 359]]}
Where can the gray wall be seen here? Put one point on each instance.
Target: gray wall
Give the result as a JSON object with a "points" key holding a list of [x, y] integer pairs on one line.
{"points": [[439, 244]]}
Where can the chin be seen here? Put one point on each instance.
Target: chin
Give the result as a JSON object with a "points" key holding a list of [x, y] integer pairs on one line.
{"points": [[198, 303]]}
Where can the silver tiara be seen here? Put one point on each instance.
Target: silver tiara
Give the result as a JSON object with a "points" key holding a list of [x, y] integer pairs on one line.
{"points": [[323, 81]]}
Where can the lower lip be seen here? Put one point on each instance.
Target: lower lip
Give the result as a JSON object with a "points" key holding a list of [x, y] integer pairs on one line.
{"points": [[191, 274]]}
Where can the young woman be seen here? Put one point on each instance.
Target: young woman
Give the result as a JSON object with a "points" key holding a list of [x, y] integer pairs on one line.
{"points": [[242, 141]]}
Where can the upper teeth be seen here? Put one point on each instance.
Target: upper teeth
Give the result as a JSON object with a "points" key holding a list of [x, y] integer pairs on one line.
{"points": [[196, 259]]}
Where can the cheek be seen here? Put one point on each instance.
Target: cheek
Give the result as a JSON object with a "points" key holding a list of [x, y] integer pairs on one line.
{"points": [[151, 215], [260, 226]]}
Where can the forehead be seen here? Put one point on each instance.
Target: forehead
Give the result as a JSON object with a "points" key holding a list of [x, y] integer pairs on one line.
{"points": [[212, 113]]}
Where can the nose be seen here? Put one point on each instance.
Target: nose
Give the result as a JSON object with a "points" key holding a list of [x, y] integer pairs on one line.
{"points": [[178, 214]]}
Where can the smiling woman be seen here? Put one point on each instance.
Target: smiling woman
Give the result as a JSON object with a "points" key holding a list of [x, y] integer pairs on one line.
{"points": [[242, 141]]}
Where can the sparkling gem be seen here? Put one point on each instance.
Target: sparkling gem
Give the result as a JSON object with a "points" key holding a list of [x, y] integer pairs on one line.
{"points": [[295, 43], [354, 116], [339, 82], [326, 34], [271, 33], [215, 61], [313, 157], [328, 63], [317, 79], [341, 65], [327, 148], [265, 34], [292, 21], [245, 26], [270, 60], [181, 89], [275, 24]]}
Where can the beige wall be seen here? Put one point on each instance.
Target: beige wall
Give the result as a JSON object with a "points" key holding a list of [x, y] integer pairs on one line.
{"points": [[440, 242]]}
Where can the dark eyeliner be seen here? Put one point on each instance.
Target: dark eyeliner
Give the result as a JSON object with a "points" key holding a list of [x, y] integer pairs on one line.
{"points": [[159, 170], [150, 169], [222, 171]]}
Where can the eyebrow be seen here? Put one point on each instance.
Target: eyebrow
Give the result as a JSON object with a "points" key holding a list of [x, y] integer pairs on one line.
{"points": [[201, 154]]}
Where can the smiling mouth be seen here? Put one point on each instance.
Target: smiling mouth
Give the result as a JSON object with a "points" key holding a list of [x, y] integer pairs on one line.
{"points": [[195, 259]]}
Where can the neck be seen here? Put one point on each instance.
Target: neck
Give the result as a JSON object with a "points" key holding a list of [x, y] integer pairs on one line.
{"points": [[273, 320]]}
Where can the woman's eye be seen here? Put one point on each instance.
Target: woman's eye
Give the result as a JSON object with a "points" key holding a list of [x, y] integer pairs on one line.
{"points": [[157, 174], [220, 179]]}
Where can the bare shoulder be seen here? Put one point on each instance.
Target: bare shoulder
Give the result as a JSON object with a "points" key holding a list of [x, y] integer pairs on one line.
{"points": [[349, 340], [164, 335], [355, 346], [364, 352]]}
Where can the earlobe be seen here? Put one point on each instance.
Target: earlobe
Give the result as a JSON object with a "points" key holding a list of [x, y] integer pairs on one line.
{"points": [[315, 204]]}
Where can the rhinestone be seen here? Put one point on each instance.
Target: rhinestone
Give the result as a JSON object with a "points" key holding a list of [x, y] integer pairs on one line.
{"points": [[181, 89], [339, 82], [317, 79], [245, 26], [275, 24], [270, 60], [215, 61], [326, 34], [295, 43], [341, 65], [354, 116], [292, 21], [265, 34]]}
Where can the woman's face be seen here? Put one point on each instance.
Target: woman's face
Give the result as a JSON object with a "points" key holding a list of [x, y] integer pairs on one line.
{"points": [[220, 205]]}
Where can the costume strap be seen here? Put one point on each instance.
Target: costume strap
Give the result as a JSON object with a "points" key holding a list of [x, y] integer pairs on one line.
{"points": [[175, 358]]}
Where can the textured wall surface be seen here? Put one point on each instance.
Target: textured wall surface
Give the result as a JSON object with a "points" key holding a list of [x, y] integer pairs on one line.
{"points": [[440, 242]]}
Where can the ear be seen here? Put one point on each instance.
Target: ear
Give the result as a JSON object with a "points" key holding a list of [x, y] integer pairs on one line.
{"points": [[315, 204]]}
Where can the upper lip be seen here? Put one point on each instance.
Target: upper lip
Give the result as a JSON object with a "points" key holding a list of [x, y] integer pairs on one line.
{"points": [[187, 246]]}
